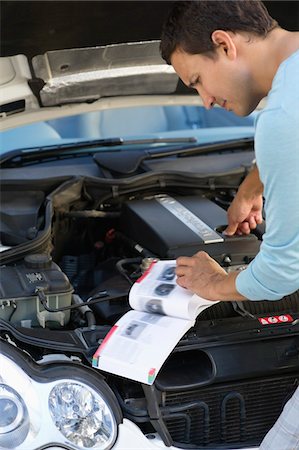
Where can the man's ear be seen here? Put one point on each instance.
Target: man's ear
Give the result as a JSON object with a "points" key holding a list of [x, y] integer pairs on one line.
{"points": [[224, 43]]}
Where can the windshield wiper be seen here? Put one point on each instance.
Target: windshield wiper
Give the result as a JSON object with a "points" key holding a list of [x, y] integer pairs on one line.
{"points": [[34, 153], [126, 162]]}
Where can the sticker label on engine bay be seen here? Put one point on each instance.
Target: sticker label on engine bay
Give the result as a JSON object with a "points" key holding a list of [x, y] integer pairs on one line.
{"points": [[271, 320], [34, 277], [207, 234]]}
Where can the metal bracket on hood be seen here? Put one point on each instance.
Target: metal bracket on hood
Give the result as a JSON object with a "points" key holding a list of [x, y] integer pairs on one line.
{"points": [[86, 74]]}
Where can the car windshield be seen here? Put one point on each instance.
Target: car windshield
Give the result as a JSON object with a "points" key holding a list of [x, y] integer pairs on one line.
{"points": [[139, 122]]}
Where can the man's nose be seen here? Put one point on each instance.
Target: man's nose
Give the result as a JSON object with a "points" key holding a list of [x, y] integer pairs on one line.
{"points": [[207, 99]]}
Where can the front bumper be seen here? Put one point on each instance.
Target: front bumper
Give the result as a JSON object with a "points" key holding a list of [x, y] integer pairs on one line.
{"points": [[131, 438]]}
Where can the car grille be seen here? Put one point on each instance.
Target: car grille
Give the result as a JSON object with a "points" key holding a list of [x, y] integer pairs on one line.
{"points": [[227, 413]]}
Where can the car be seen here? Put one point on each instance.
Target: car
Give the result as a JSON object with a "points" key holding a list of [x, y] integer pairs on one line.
{"points": [[107, 164]]}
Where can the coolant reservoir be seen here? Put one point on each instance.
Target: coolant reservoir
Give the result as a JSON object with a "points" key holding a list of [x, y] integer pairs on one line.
{"points": [[19, 303]]}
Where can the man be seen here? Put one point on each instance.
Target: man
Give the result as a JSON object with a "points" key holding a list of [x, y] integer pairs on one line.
{"points": [[234, 54]]}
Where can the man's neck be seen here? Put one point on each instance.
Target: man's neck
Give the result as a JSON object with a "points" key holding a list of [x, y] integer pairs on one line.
{"points": [[285, 43], [269, 53]]}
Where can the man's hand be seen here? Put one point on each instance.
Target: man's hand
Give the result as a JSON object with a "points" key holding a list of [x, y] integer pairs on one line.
{"points": [[245, 212], [244, 215], [203, 276]]}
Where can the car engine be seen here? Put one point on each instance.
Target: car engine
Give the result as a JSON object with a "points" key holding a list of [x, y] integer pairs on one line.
{"points": [[85, 244]]}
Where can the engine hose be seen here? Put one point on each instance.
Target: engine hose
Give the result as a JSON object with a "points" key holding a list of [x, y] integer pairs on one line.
{"points": [[123, 262], [85, 310]]}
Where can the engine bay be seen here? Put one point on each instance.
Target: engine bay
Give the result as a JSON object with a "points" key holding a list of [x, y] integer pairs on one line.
{"points": [[80, 246], [102, 252]]}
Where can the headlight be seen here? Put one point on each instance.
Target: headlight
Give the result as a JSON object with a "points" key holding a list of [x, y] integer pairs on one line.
{"points": [[81, 415], [14, 423], [62, 403]]}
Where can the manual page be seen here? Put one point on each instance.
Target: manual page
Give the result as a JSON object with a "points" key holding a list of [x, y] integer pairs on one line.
{"points": [[140, 342], [157, 292]]}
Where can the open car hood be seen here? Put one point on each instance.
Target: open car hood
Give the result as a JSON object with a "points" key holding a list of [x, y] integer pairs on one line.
{"points": [[91, 68], [86, 74], [83, 75]]}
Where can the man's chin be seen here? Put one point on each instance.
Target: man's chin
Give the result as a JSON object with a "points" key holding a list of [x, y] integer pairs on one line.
{"points": [[243, 112]]}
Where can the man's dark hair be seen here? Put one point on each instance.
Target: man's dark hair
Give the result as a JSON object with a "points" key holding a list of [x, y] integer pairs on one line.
{"points": [[190, 24]]}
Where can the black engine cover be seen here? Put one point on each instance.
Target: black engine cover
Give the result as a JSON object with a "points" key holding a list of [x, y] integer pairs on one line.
{"points": [[173, 226]]}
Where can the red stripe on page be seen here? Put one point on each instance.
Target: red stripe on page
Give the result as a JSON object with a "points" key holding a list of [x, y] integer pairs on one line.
{"points": [[105, 340], [146, 272]]}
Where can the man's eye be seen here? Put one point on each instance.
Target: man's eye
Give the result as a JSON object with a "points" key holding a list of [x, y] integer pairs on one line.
{"points": [[194, 83]]}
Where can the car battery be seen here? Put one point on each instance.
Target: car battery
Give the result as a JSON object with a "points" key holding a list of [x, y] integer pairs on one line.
{"points": [[19, 302], [172, 226]]}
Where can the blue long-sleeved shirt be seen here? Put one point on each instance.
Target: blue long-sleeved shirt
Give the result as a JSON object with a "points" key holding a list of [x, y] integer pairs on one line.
{"points": [[275, 270]]}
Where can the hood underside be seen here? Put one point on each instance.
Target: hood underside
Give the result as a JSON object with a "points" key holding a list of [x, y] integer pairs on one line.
{"points": [[74, 52], [86, 74]]}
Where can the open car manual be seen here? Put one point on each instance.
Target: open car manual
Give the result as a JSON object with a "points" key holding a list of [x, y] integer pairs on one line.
{"points": [[141, 340]]}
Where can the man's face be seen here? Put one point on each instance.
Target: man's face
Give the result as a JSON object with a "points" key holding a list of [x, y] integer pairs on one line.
{"points": [[220, 80]]}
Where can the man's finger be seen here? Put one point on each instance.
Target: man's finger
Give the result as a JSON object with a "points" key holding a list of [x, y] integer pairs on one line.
{"points": [[183, 261], [252, 223], [181, 281], [181, 271], [259, 218], [231, 229], [243, 228]]}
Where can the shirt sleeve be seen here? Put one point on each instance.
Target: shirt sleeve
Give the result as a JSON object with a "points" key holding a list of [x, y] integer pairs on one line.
{"points": [[274, 272]]}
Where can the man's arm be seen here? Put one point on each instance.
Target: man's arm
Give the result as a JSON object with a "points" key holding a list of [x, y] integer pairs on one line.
{"points": [[245, 212]]}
